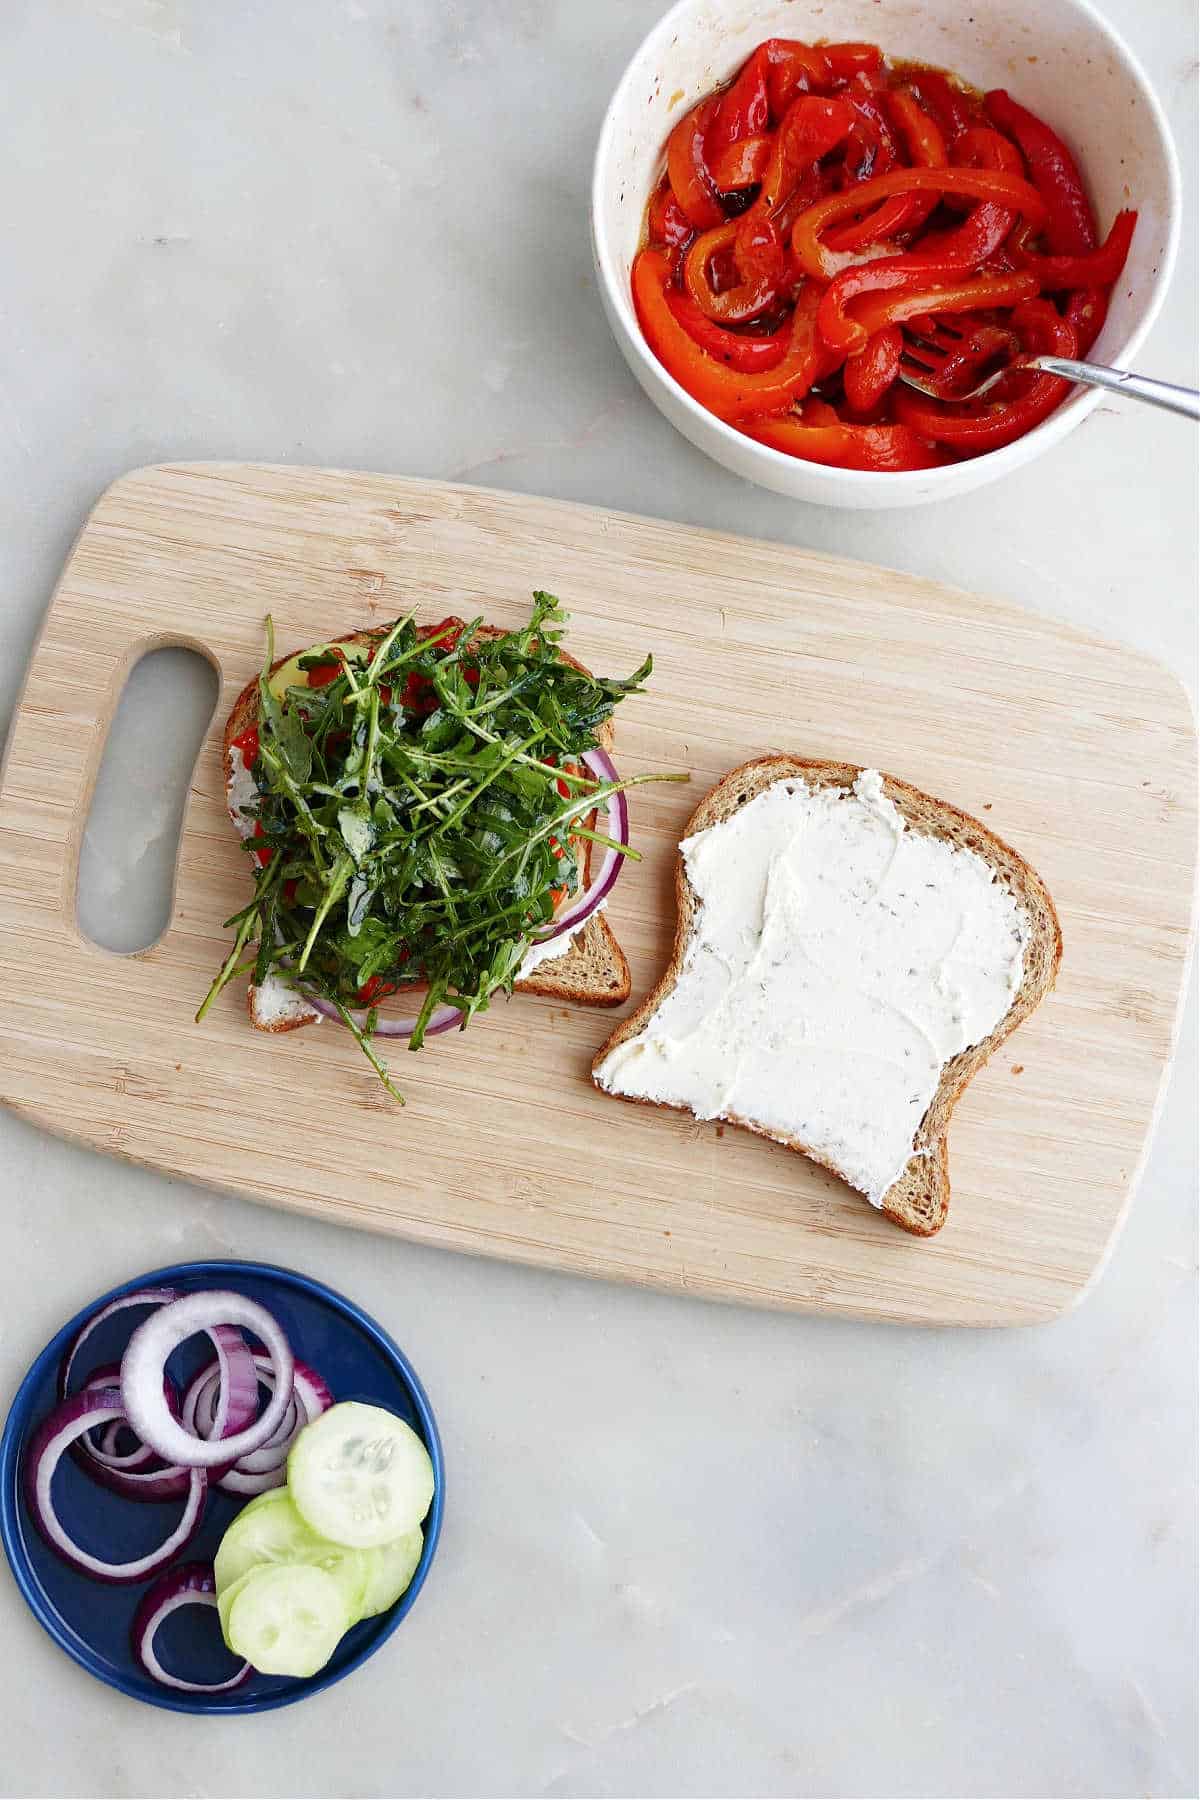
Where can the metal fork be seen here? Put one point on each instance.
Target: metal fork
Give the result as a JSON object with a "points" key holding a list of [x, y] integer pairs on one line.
{"points": [[926, 353]]}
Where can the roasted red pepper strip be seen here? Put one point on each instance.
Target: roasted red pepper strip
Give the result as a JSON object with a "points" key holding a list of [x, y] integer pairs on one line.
{"points": [[947, 102], [1086, 313], [848, 60], [977, 352], [847, 446], [979, 184], [749, 297], [1099, 269], [867, 378], [890, 275], [814, 183], [880, 224], [872, 149], [737, 351], [812, 128], [743, 109], [691, 182], [926, 150], [374, 990], [741, 165], [1070, 222], [666, 221], [247, 743], [758, 250], [446, 634], [793, 68], [972, 429], [922, 135], [983, 291], [969, 245], [726, 392], [323, 673], [903, 212]]}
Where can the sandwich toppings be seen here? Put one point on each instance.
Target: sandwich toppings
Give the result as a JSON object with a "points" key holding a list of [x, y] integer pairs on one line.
{"points": [[837, 961], [830, 219], [423, 807]]}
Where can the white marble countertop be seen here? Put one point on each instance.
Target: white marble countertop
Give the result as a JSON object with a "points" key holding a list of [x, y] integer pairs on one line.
{"points": [[690, 1549]]}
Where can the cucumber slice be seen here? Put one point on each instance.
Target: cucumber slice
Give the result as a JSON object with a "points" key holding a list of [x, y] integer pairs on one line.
{"points": [[360, 1476], [264, 1531], [270, 1533], [393, 1567], [287, 1621], [227, 1596]]}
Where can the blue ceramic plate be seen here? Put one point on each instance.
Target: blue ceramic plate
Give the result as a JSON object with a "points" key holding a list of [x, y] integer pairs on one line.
{"points": [[90, 1621]]}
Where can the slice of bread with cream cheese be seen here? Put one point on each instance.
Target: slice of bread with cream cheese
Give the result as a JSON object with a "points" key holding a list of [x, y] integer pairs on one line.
{"points": [[849, 952]]}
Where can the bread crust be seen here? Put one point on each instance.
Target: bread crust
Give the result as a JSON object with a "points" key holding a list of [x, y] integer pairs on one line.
{"points": [[593, 972], [918, 1201]]}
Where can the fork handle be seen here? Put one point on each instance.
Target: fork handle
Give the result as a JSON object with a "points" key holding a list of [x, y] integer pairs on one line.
{"points": [[1123, 381]]}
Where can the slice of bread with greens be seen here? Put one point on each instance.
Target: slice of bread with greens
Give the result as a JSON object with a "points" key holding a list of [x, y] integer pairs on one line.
{"points": [[849, 952], [414, 799]]}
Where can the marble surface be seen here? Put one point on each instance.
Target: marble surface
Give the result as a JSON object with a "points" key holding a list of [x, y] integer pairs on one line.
{"points": [[689, 1550]]}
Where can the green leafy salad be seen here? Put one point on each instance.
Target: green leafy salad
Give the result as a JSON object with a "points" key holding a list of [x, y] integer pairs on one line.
{"points": [[421, 807]]}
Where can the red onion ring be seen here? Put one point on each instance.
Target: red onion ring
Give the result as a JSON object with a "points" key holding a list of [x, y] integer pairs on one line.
{"points": [[211, 1311], [616, 809], [235, 1481], [191, 1584], [265, 1467], [199, 1414], [104, 1451], [237, 1403], [66, 1424], [442, 1018], [143, 1297]]}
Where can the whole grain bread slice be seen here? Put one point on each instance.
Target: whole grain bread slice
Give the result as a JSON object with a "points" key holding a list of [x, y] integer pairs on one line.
{"points": [[919, 1200], [592, 972]]}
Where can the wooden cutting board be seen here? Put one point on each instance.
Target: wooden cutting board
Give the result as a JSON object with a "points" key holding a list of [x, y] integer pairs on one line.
{"points": [[1077, 751]]}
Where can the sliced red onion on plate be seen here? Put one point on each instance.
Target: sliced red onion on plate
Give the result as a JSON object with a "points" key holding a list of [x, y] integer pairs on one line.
{"points": [[145, 1358], [191, 1584], [143, 1297], [143, 1475], [69, 1421]]}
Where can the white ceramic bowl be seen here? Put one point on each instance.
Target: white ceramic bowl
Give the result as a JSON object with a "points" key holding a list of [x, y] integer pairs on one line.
{"points": [[1058, 57]]}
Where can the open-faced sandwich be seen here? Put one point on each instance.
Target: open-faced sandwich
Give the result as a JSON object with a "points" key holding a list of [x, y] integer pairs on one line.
{"points": [[433, 818], [849, 952]]}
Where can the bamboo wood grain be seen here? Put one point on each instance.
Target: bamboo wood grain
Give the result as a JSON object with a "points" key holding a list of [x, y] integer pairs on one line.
{"points": [[1077, 751]]}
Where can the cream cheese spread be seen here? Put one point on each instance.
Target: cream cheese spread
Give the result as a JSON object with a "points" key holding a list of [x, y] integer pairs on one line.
{"points": [[276, 1002], [537, 954], [240, 790], [837, 962]]}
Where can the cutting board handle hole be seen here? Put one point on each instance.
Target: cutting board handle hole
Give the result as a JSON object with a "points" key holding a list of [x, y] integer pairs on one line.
{"points": [[130, 843]]}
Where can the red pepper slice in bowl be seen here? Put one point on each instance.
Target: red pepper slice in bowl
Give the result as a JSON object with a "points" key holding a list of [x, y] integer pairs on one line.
{"points": [[989, 424]]}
